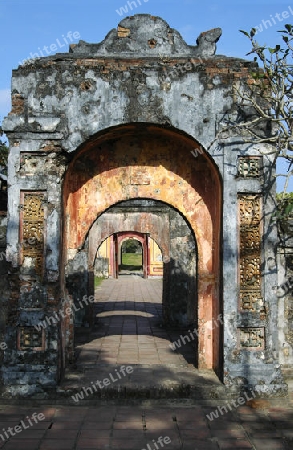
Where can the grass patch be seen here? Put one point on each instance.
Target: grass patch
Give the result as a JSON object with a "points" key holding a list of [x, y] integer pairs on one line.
{"points": [[98, 281], [131, 259]]}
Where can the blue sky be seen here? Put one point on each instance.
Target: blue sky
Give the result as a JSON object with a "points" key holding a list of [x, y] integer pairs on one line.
{"points": [[27, 26]]}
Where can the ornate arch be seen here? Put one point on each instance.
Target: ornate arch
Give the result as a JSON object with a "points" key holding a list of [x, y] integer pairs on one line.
{"points": [[147, 161]]}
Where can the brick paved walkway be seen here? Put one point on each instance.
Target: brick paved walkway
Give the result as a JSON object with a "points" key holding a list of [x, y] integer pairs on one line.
{"points": [[136, 428], [129, 326], [129, 331]]}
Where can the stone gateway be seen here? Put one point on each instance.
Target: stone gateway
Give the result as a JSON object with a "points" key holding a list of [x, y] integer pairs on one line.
{"points": [[121, 137]]}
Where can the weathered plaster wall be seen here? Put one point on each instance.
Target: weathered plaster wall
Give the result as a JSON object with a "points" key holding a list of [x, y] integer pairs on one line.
{"points": [[121, 119], [4, 287], [284, 292], [182, 269]]}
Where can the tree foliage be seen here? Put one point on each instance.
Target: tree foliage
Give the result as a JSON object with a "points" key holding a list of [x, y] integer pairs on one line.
{"points": [[131, 246], [3, 152], [265, 104], [285, 205]]}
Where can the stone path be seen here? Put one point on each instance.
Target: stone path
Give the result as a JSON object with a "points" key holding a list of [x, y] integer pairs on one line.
{"points": [[136, 428], [128, 332], [129, 326]]}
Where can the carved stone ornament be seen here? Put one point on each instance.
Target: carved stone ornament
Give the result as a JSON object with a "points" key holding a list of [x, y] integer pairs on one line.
{"points": [[249, 207], [28, 338], [32, 230], [251, 338], [249, 166]]}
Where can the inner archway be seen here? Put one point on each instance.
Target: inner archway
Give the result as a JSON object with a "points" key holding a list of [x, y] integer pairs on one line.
{"points": [[140, 311], [157, 225], [144, 161], [130, 256]]}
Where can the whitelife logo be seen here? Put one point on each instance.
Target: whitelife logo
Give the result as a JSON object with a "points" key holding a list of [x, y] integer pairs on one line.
{"points": [[123, 371], [48, 49], [124, 10], [162, 441], [52, 320], [191, 336], [224, 409], [31, 421], [271, 21]]}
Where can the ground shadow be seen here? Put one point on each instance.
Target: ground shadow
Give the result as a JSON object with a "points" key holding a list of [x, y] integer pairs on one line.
{"points": [[139, 318], [129, 267]]}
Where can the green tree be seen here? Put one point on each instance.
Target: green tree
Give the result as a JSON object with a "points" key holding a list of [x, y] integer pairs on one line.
{"points": [[285, 205], [131, 245], [3, 152], [265, 106]]}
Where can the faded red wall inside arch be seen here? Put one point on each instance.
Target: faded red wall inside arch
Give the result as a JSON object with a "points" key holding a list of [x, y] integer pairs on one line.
{"points": [[136, 162]]}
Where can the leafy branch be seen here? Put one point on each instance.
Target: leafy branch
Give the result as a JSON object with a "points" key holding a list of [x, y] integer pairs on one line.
{"points": [[3, 152], [265, 101]]}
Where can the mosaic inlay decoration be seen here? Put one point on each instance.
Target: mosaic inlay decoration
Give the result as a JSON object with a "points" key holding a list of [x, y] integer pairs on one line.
{"points": [[251, 338], [249, 166], [249, 207], [32, 225], [29, 338]]}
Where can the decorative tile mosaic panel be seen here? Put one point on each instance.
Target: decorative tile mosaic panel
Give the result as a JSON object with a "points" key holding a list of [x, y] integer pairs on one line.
{"points": [[251, 338], [249, 166], [249, 207], [28, 338], [32, 229]]}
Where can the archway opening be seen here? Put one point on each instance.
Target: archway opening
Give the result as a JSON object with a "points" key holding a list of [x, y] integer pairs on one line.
{"points": [[131, 257], [129, 252], [140, 319], [144, 161]]}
